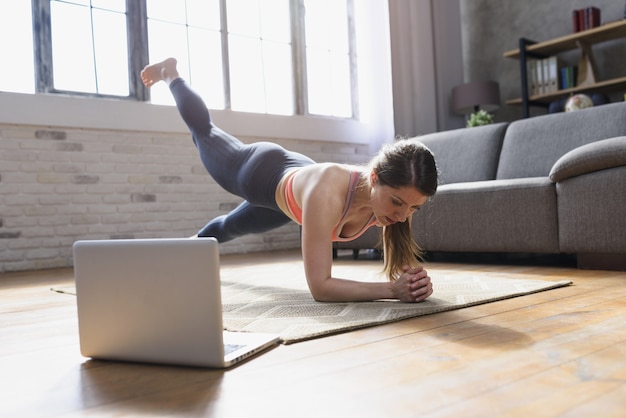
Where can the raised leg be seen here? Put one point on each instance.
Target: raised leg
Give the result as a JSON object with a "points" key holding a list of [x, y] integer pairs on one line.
{"points": [[244, 219], [161, 71]]}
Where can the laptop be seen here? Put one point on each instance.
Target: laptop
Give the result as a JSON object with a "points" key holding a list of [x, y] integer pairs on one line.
{"points": [[156, 301]]}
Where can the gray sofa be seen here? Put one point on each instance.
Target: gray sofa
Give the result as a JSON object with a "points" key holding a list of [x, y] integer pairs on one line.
{"points": [[553, 184]]}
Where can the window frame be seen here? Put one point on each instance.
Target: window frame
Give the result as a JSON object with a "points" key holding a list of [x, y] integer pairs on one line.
{"points": [[137, 32], [137, 51]]}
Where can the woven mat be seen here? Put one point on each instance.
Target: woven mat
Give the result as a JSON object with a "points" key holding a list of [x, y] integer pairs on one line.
{"points": [[285, 307]]}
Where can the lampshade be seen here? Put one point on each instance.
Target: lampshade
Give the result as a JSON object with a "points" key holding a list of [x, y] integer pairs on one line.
{"points": [[474, 96]]}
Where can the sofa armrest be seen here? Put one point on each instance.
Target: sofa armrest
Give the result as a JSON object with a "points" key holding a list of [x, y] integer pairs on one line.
{"points": [[595, 156]]}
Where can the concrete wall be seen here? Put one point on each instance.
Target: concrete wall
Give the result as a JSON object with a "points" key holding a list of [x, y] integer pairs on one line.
{"points": [[491, 27]]}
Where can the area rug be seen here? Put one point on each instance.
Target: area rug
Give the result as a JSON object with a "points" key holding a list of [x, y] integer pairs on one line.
{"points": [[285, 307]]}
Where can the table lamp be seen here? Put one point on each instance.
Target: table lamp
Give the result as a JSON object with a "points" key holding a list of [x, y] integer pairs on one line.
{"points": [[477, 95]]}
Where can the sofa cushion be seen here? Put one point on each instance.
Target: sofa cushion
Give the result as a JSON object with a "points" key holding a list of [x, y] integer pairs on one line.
{"points": [[469, 154], [516, 215], [532, 146], [592, 212], [598, 155]]}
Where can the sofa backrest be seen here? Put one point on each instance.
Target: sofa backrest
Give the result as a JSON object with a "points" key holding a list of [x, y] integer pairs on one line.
{"points": [[468, 154], [532, 146]]}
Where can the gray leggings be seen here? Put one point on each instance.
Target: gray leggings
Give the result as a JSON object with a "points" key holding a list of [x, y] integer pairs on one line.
{"points": [[251, 171]]}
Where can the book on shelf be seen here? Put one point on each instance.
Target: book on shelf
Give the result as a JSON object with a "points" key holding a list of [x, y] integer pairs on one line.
{"points": [[544, 75], [568, 76], [587, 18]]}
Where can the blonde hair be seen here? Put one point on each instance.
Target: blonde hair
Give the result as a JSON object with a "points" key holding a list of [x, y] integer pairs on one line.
{"points": [[401, 164]]}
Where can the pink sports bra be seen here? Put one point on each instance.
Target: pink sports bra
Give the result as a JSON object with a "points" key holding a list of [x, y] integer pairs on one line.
{"points": [[296, 210]]}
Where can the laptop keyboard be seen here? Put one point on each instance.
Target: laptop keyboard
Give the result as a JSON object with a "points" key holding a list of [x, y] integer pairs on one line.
{"points": [[229, 348]]}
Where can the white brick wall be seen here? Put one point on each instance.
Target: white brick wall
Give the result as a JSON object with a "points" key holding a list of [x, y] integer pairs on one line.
{"points": [[60, 185]]}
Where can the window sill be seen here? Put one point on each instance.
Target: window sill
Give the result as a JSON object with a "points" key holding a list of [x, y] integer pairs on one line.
{"points": [[111, 114]]}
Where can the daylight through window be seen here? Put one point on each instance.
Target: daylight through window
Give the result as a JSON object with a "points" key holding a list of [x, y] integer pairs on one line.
{"points": [[280, 57]]}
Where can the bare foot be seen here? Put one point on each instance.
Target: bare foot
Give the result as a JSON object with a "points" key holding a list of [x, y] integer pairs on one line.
{"points": [[161, 71]]}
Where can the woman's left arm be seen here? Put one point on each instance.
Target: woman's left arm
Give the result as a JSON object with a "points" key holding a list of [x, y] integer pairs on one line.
{"points": [[413, 285], [321, 211]]}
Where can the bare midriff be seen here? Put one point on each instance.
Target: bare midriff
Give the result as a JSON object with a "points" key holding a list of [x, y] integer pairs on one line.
{"points": [[281, 197]]}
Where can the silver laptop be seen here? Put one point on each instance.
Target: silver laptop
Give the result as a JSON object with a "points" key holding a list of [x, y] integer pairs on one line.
{"points": [[156, 301]]}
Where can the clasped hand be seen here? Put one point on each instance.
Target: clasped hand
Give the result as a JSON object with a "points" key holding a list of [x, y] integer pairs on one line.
{"points": [[413, 285]]}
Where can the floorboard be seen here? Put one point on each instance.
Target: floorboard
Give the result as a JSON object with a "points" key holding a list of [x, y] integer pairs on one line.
{"points": [[556, 353]]}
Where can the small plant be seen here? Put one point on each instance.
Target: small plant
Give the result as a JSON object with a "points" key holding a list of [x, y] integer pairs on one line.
{"points": [[480, 118]]}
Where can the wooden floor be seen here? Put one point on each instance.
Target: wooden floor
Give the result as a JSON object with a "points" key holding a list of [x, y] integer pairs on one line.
{"points": [[555, 353]]}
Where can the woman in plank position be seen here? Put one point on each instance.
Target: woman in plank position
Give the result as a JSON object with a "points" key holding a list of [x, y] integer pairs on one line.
{"points": [[332, 202]]}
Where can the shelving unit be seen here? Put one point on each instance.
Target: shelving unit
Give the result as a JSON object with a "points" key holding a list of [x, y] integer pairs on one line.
{"points": [[530, 49]]}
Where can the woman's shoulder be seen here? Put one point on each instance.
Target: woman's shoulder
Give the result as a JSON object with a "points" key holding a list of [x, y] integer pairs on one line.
{"points": [[324, 179]]}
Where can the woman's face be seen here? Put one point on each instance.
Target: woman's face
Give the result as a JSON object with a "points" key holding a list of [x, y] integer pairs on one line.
{"points": [[391, 205]]}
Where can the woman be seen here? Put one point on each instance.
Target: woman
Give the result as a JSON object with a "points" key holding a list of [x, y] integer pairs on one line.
{"points": [[332, 202]]}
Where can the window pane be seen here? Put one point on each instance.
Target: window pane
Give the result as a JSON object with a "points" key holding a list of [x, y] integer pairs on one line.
{"points": [[261, 76], [261, 69], [341, 103], [111, 52], [79, 2], [265, 19], [167, 40], [113, 5], [16, 25], [72, 49], [86, 58], [316, 34], [275, 20], [205, 61], [168, 11], [329, 88], [278, 78], [318, 78], [326, 24], [328, 69], [195, 47], [204, 14], [243, 17], [246, 74], [337, 24]]}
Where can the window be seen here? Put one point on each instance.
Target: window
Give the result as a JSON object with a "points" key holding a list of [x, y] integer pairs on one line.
{"points": [[190, 31], [260, 56], [89, 47], [269, 56], [16, 47], [329, 58]]}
